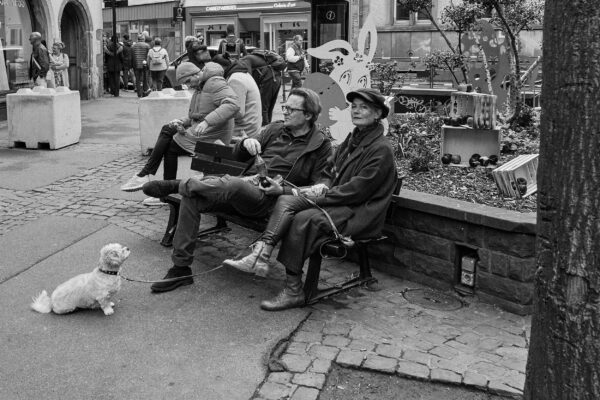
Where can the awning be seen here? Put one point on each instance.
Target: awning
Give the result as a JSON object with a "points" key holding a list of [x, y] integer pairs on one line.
{"points": [[146, 11]]}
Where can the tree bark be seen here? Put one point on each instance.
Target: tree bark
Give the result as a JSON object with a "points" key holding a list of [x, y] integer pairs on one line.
{"points": [[564, 354]]}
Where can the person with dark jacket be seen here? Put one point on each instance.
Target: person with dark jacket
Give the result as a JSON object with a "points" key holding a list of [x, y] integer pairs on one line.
{"points": [[139, 55], [294, 149], [39, 64], [294, 56], [355, 192], [114, 65], [127, 61], [269, 83], [232, 45]]}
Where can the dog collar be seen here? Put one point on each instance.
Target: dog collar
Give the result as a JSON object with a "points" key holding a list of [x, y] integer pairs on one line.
{"points": [[109, 272]]}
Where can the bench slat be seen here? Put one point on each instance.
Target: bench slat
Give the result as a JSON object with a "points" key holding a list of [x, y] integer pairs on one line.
{"points": [[215, 150], [217, 168]]}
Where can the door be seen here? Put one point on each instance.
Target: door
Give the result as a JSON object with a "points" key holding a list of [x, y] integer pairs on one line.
{"points": [[72, 27]]}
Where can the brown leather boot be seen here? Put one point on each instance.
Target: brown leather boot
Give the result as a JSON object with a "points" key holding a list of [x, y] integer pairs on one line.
{"points": [[291, 296], [255, 262]]}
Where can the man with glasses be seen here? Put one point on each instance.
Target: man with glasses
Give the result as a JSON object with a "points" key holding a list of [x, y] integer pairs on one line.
{"points": [[293, 149]]}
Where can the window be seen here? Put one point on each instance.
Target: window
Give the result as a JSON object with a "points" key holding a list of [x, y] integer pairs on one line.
{"points": [[403, 16]]}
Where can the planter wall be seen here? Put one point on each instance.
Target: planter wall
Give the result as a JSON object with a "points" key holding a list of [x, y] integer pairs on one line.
{"points": [[428, 236]]}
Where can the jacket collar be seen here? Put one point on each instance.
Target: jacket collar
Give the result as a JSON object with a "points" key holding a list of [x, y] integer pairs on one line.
{"points": [[374, 134], [315, 140]]}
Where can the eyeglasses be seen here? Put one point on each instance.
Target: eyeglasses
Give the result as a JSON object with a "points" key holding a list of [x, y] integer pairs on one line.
{"points": [[287, 109]]}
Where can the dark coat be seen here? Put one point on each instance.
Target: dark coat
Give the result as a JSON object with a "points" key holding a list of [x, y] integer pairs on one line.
{"points": [[308, 168], [114, 57], [360, 192], [127, 55], [40, 67]]}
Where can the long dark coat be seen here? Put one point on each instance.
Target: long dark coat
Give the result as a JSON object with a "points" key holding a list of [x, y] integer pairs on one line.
{"points": [[361, 190]]}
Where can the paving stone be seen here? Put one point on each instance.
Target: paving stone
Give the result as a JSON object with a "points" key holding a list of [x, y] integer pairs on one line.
{"points": [[320, 366], [473, 379], [455, 364], [324, 352], [313, 326], [309, 379], [446, 376], [513, 364], [361, 344], [336, 328], [416, 356], [282, 378], [469, 338], [381, 364], [416, 344], [350, 358], [296, 363], [412, 369], [515, 380], [297, 348], [488, 344], [335, 341], [519, 353], [274, 391], [444, 352], [500, 388], [308, 337], [305, 393], [388, 350]]}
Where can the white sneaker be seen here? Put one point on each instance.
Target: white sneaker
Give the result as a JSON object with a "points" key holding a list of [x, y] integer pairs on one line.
{"points": [[135, 183], [153, 201]]}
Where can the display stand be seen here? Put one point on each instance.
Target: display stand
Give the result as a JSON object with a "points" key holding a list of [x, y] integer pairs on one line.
{"points": [[520, 172], [465, 142]]}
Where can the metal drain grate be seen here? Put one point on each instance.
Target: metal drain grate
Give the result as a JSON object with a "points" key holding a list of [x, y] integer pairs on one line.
{"points": [[432, 299]]}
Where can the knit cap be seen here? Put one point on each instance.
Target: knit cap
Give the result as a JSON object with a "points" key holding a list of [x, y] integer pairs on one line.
{"points": [[211, 69], [184, 71]]}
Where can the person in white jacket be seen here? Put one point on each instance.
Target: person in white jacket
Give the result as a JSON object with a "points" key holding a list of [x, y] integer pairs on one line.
{"points": [[158, 62]]}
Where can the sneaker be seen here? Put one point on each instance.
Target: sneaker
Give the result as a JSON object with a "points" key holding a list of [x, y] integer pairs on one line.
{"points": [[160, 189], [153, 201], [174, 272], [135, 183]]}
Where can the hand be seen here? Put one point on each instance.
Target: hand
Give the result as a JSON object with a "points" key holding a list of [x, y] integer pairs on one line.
{"points": [[252, 146], [200, 128], [335, 114], [274, 188], [314, 191]]}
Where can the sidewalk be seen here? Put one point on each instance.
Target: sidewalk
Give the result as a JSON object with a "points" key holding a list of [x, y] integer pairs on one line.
{"points": [[209, 340]]}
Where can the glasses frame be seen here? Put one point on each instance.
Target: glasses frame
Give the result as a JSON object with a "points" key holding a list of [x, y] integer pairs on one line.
{"points": [[289, 110]]}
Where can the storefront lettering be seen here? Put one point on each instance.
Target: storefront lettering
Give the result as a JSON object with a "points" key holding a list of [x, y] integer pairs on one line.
{"points": [[220, 8], [284, 5], [13, 3]]}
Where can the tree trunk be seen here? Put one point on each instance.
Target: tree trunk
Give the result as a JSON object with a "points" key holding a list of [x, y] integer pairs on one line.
{"points": [[564, 354]]}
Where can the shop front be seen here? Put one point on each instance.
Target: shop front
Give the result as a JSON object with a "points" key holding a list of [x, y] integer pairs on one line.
{"points": [[265, 25]]}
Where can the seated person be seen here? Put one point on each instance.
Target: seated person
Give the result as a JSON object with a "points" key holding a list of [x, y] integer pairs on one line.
{"points": [[210, 118], [294, 149], [355, 192]]}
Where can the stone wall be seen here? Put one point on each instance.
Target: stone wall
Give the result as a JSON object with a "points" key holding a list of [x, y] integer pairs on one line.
{"points": [[429, 234]]}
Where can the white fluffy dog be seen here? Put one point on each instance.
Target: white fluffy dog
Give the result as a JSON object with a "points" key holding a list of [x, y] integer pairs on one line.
{"points": [[91, 290]]}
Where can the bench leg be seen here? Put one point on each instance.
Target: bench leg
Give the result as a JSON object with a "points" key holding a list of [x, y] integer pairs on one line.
{"points": [[167, 239], [220, 226], [365, 268]]}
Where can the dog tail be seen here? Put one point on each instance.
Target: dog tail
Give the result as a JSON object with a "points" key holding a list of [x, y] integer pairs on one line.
{"points": [[42, 303]]}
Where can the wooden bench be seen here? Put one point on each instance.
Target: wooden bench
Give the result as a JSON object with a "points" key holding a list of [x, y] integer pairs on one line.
{"points": [[214, 159]]}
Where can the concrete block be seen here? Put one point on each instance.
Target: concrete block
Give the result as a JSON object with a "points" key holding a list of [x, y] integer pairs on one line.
{"points": [[156, 110], [43, 118]]}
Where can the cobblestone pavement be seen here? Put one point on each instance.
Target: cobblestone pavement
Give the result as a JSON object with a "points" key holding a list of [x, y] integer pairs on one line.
{"points": [[476, 345]]}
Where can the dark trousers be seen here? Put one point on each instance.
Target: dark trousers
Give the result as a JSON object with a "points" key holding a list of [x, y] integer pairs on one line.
{"points": [[141, 82], [213, 194], [282, 217], [157, 79], [126, 71], [269, 90], [114, 79], [167, 150], [296, 79]]}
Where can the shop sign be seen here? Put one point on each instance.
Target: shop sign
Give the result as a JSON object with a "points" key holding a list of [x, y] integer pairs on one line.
{"points": [[234, 7], [284, 5], [13, 3], [178, 14]]}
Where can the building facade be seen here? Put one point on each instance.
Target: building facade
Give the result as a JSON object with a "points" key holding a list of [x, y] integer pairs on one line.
{"points": [[77, 23]]}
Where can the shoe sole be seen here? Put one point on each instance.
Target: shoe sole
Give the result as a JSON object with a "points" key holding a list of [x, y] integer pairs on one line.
{"points": [[154, 204], [238, 269], [174, 285], [132, 189]]}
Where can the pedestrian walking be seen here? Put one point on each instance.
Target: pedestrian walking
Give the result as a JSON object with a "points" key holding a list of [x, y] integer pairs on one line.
{"points": [[294, 55], [127, 62], [59, 65], [232, 45], [39, 63], [158, 62], [114, 65], [139, 55]]}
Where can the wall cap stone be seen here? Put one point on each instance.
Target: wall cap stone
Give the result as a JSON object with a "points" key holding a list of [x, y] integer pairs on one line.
{"points": [[493, 217]]}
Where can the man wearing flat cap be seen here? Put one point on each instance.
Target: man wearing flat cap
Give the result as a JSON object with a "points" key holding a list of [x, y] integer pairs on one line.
{"points": [[39, 63]]}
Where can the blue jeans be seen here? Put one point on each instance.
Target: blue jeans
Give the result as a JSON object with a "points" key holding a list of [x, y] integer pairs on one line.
{"points": [[296, 80], [228, 194], [157, 79], [141, 82]]}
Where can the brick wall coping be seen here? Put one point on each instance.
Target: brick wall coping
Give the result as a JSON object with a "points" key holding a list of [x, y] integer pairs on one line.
{"points": [[493, 217]]}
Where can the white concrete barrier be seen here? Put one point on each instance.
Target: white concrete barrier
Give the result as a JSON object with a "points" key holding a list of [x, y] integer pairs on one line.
{"points": [[43, 118], [156, 110]]}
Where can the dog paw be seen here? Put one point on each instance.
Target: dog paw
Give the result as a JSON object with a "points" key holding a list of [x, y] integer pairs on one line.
{"points": [[108, 311]]}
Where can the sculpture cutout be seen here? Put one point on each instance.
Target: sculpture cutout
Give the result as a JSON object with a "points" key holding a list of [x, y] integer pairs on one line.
{"points": [[495, 52], [351, 70]]}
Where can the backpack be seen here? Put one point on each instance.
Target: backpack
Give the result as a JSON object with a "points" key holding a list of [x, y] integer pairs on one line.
{"points": [[233, 48], [273, 60], [156, 57]]}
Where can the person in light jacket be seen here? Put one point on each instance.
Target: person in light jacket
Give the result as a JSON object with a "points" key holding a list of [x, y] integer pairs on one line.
{"points": [[158, 62]]}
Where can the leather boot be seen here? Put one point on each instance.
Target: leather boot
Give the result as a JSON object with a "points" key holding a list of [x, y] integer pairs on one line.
{"points": [[255, 262], [291, 296]]}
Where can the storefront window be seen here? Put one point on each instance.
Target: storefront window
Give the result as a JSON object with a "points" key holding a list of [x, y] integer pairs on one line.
{"points": [[157, 28], [15, 50], [279, 31]]}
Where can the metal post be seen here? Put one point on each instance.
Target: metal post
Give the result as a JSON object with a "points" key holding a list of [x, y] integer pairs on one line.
{"points": [[114, 21]]}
